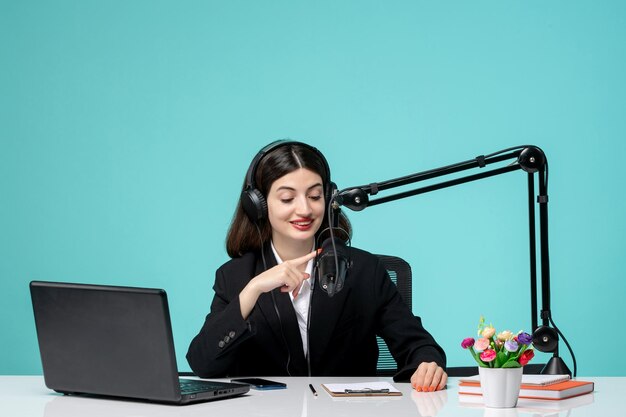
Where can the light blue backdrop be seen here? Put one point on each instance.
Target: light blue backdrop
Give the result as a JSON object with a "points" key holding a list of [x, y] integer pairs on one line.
{"points": [[126, 129]]}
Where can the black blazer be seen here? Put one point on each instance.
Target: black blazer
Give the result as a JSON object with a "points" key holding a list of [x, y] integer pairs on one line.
{"points": [[342, 329]]}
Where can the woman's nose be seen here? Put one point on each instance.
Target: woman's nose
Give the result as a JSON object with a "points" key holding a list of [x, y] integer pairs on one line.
{"points": [[303, 208]]}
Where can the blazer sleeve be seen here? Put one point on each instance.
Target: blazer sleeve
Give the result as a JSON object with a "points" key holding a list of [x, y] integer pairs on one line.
{"points": [[213, 351], [408, 341]]}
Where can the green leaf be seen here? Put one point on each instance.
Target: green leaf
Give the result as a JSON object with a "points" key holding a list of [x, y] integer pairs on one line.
{"points": [[501, 358], [512, 364]]}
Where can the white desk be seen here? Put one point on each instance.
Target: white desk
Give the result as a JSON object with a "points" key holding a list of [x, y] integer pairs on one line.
{"points": [[27, 396]]}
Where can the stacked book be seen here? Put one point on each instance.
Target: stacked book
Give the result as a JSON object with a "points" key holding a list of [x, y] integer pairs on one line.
{"points": [[544, 387]]}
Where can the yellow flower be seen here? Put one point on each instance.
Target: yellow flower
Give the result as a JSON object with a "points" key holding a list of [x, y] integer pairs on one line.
{"points": [[505, 335], [488, 332]]}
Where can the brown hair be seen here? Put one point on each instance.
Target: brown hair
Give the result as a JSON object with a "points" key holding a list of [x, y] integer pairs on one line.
{"points": [[243, 235]]}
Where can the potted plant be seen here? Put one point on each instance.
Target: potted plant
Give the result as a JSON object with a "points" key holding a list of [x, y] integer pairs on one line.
{"points": [[500, 358]]}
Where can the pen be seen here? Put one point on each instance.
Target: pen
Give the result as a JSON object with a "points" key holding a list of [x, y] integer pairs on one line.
{"points": [[313, 390]]}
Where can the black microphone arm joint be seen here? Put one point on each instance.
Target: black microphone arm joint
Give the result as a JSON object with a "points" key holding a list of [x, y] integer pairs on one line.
{"points": [[532, 159], [355, 199]]}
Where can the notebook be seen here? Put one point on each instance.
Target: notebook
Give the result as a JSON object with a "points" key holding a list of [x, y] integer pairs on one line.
{"points": [[527, 379], [113, 341]]}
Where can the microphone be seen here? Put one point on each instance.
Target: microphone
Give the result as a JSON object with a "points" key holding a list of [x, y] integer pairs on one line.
{"points": [[332, 265]]}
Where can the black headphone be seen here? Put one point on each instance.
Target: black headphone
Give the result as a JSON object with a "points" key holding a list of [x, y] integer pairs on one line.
{"points": [[252, 200]]}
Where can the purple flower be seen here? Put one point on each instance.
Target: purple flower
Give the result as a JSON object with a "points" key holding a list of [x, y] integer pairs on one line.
{"points": [[467, 342], [524, 338], [511, 345]]}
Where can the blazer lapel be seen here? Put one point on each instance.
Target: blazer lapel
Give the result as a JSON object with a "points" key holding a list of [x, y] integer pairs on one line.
{"points": [[291, 330], [286, 326], [325, 314], [265, 302]]}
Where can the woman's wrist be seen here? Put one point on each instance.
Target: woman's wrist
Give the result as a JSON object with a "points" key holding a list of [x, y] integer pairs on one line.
{"points": [[252, 289], [247, 299]]}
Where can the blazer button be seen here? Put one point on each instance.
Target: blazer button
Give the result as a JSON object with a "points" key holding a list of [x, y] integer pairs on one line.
{"points": [[221, 344], [232, 334], [226, 339]]}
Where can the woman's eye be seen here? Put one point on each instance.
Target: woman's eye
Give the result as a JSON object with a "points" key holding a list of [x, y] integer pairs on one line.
{"points": [[286, 200], [315, 197]]}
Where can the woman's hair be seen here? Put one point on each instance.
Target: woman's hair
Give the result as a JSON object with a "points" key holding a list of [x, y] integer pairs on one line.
{"points": [[243, 235]]}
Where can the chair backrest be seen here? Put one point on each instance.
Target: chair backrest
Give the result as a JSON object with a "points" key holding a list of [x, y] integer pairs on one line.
{"points": [[400, 273]]}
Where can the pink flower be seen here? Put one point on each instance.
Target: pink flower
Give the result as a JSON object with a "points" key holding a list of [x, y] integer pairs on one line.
{"points": [[467, 342], [481, 344], [488, 355], [526, 356]]}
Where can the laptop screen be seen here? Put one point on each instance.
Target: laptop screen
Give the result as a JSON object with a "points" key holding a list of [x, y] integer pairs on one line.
{"points": [[106, 340]]}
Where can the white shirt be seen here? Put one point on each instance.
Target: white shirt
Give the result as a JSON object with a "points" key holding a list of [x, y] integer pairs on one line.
{"points": [[302, 301]]}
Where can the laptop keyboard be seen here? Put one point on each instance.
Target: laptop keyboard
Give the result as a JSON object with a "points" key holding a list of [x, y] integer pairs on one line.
{"points": [[192, 386]]}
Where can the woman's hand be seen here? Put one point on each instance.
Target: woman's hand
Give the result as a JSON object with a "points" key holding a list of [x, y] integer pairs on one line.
{"points": [[429, 377], [287, 276]]}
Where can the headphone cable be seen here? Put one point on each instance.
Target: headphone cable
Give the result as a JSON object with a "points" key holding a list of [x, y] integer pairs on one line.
{"points": [[308, 322], [571, 352]]}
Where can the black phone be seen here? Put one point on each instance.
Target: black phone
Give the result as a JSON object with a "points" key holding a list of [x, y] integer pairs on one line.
{"points": [[260, 383]]}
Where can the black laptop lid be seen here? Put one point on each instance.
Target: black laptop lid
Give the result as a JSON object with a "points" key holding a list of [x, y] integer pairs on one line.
{"points": [[106, 340]]}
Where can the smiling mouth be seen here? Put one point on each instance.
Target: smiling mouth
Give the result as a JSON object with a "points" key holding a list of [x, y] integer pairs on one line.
{"points": [[302, 224]]}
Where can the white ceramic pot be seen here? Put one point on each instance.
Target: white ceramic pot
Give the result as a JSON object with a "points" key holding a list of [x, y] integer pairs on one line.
{"points": [[500, 386]]}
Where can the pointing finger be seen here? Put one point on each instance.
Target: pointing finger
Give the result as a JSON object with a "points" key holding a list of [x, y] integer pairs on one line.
{"points": [[304, 259]]}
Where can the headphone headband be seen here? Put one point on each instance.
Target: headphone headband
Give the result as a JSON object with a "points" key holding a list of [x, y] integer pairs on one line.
{"points": [[252, 200], [251, 174]]}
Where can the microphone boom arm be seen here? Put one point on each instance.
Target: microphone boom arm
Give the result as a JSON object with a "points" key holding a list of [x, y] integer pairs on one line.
{"points": [[528, 158]]}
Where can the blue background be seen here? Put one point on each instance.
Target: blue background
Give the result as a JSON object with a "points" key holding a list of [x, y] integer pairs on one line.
{"points": [[126, 129]]}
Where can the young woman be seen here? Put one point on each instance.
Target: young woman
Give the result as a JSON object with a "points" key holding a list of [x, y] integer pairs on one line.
{"points": [[269, 317]]}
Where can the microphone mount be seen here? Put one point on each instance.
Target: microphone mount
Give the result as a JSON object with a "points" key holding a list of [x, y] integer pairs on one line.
{"points": [[528, 158]]}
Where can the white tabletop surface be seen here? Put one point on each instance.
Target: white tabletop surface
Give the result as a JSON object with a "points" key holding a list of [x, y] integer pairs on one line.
{"points": [[27, 396]]}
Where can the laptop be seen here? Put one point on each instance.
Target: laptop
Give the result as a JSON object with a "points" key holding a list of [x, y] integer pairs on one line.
{"points": [[114, 341]]}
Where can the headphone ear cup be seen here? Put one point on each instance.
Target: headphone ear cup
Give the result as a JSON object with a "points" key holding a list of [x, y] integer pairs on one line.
{"points": [[254, 204]]}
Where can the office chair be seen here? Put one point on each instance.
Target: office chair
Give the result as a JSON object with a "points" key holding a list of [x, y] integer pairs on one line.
{"points": [[400, 273]]}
